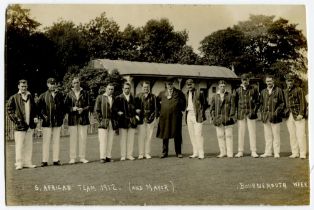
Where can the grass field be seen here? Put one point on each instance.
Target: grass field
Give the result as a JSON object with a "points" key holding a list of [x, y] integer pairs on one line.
{"points": [[170, 181]]}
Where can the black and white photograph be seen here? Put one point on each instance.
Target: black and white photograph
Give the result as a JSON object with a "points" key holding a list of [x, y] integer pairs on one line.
{"points": [[156, 104]]}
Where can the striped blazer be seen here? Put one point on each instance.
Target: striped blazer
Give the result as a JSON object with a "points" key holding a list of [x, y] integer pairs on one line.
{"points": [[223, 111], [295, 102], [272, 105], [104, 113], [83, 101], [246, 102]]}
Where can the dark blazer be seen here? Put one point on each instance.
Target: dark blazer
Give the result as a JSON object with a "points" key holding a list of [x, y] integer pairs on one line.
{"points": [[272, 105], [295, 102], [148, 107], [199, 105], [246, 102], [170, 121], [74, 118], [51, 109], [223, 111], [16, 112], [104, 113], [127, 119]]}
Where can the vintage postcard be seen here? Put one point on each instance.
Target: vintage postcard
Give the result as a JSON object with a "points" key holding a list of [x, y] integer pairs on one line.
{"points": [[156, 104]]}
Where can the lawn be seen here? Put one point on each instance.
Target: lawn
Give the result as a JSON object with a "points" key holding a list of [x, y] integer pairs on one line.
{"points": [[170, 181]]}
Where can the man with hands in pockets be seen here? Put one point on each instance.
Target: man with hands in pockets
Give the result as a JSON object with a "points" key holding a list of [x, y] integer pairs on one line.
{"points": [[22, 111]]}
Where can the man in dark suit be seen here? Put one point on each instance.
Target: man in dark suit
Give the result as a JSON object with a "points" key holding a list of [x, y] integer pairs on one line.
{"points": [[172, 103], [22, 111]]}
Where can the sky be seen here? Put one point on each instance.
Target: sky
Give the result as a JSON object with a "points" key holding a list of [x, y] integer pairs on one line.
{"points": [[199, 20]]}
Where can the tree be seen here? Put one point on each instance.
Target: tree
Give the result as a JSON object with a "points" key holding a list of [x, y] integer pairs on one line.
{"points": [[102, 37], [29, 54], [131, 43], [187, 56], [271, 41], [160, 43], [223, 47], [259, 45], [70, 47], [18, 19]]}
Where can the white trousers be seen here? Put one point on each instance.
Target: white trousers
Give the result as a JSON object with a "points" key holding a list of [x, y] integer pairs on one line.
{"points": [[272, 138], [23, 147], [196, 136], [105, 137], [296, 130], [78, 133], [126, 141], [251, 125], [145, 137], [48, 134], [225, 139]]}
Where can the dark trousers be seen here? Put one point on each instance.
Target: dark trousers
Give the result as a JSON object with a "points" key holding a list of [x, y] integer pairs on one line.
{"points": [[177, 145]]}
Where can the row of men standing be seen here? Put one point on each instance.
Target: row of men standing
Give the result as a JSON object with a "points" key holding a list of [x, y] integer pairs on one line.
{"points": [[274, 105], [124, 113]]}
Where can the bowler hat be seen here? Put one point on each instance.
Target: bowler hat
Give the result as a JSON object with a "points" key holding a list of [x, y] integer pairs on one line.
{"points": [[170, 79]]}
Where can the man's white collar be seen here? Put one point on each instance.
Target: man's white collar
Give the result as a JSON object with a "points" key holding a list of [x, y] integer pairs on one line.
{"points": [[27, 92]]}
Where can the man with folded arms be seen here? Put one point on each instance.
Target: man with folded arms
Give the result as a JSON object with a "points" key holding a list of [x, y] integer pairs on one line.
{"points": [[22, 111], [51, 109]]}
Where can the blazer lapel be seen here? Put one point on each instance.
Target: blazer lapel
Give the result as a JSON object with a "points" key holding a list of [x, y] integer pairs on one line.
{"points": [[20, 105]]}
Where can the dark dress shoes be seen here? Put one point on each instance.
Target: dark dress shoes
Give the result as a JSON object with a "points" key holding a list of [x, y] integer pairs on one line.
{"points": [[164, 155], [44, 164], [108, 160], [57, 163]]}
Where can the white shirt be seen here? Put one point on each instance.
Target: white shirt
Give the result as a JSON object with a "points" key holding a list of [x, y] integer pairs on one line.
{"points": [[53, 93], [244, 88], [109, 99], [77, 93], [27, 106], [222, 95], [270, 90], [190, 102]]}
